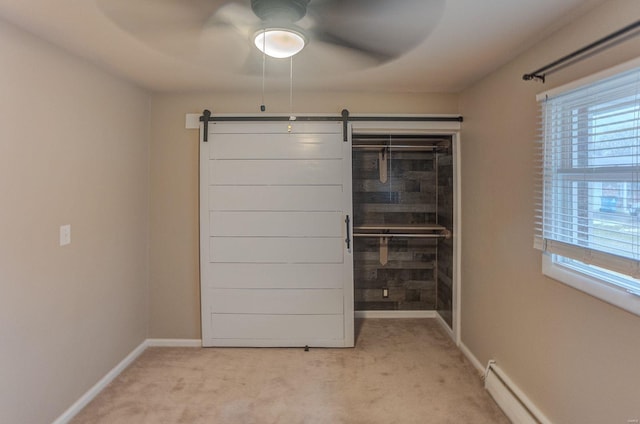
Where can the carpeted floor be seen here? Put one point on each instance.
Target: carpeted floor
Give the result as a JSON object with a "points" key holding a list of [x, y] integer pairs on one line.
{"points": [[401, 371]]}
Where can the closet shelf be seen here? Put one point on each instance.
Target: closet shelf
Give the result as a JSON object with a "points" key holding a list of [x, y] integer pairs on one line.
{"points": [[405, 231]]}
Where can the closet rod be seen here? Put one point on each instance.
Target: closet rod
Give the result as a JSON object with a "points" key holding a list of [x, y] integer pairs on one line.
{"points": [[404, 228], [389, 235], [397, 147]]}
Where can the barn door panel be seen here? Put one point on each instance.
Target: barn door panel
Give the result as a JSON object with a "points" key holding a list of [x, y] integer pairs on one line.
{"points": [[276, 266]]}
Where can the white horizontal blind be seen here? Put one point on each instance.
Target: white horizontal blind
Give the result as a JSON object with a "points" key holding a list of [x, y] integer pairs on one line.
{"points": [[589, 199]]}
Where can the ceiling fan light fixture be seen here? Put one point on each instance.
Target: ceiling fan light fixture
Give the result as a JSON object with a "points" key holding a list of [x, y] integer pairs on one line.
{"points": [[279, 42]]}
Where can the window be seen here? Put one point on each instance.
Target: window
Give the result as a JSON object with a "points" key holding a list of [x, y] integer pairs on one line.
{"points": [[588, 221]]}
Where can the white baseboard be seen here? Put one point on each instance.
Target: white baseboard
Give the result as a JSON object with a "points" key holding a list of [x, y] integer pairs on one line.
{"points": [[472, 358], [174, 342], [395, 314], [100, 385], [445, 326], [94, 391]]}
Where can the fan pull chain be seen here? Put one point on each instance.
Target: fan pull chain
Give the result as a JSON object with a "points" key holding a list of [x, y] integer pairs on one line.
{"points": [[291, 87], [291, 115], [264, 66]]}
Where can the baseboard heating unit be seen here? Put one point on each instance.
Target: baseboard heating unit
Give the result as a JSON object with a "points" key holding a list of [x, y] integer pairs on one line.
{"points": [[513, 402]]}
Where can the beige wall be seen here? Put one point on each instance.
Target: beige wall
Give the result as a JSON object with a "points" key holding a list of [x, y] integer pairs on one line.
{"points": [[174, 275], [575, 356], [73, 150]]}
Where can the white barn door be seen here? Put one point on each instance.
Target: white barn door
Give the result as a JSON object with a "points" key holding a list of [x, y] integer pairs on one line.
{"points": [[276, 266]]}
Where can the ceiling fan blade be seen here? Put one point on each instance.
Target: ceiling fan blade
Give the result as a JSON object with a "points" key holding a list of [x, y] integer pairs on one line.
{"points": [[376, 55], [383, 28], [145, 16], [239, 15], [187, 29], [324, 58]]}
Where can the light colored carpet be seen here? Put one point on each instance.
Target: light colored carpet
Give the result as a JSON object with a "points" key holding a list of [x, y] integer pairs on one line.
{"points": [[401, 371]]}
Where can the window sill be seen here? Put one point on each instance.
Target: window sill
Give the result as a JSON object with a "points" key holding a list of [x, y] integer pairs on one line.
{"points": [[590, 285]]}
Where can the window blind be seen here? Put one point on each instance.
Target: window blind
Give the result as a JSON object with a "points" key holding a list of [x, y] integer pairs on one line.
{"points": [[589, 193]]}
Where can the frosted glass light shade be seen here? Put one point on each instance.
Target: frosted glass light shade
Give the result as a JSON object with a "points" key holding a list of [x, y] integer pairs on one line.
{"points": [[279, 42]]}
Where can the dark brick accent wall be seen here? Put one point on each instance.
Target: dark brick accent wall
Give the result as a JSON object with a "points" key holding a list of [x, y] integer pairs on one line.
{"points": [[409, 275], [410, 196]]}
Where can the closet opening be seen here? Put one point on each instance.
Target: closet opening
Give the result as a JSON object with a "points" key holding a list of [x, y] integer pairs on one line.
{"points": [[404, 217]]}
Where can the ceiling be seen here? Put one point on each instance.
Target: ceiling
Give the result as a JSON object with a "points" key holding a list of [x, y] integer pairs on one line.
{"points": [[189, 45]]}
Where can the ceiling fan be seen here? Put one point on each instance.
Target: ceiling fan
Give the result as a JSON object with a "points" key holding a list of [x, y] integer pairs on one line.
{"points": [[328, 35]]}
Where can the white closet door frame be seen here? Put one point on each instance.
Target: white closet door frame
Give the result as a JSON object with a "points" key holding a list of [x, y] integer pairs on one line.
{"points": [[306, 298], [451, 128]]}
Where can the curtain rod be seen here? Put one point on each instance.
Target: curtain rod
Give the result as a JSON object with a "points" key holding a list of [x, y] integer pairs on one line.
{"points": [[540, 74]]}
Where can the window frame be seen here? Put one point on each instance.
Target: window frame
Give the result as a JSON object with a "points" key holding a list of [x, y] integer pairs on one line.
{"points": [[573, 275], [591, 285]]}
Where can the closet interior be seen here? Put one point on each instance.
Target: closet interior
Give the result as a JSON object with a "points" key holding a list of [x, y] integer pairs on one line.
{"points": [[403, 197]]}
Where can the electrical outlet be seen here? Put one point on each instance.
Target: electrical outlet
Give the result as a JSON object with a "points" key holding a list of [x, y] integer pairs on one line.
{"points": [[65, 234], [385, 293]]}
